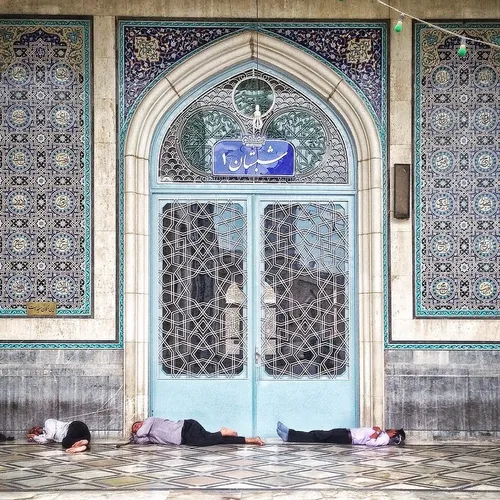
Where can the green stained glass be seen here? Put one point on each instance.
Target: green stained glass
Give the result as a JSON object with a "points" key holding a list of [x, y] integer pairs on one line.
{"points": [[201, 131], [252, 91]]}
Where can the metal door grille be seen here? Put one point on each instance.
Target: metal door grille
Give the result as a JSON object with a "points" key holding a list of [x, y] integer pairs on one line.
{"points": [[203, 278], [304, 281]]}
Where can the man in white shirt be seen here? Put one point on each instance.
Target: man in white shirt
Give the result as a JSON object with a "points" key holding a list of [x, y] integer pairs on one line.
{"points": [[368, 436], [74, 436]]}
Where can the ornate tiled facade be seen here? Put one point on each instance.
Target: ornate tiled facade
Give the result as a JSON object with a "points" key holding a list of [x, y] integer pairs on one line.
{"points": [[320, 149], [355, 50], [150, 49], [46, 154], [457, 204]]}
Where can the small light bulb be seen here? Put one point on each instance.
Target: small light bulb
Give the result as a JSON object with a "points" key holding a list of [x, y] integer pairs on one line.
{"points": [[463, 49], [399, 25]]}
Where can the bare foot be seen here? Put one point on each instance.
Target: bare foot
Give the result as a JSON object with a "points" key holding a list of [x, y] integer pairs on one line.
{"points": [[82, 442], [78, 447], [226, 431], [255, 440]]}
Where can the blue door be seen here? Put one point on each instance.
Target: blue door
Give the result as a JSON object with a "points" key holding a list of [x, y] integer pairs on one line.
{"points": [[253, 310]]}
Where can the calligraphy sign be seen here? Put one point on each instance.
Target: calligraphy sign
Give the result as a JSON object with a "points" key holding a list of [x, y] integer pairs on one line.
{"points": [[41, 308], [272, 158]]}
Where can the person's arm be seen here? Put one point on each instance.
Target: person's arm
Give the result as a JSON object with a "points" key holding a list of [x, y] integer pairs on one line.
{"points": [[382, 439], [41, 439], [145, 427], [376, 432], [142, 434], [48, 434], [139, 440]]}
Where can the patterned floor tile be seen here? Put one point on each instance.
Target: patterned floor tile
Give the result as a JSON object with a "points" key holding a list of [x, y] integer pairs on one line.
{"points": [[240, 474], [121, 481], [317, 474], [392, 475], [488, 468], [469, 476], [440, 482], [40, 482], [16, 474], [358, 482], [92, 474], [279, 482], [198, 481], [273, 468]]}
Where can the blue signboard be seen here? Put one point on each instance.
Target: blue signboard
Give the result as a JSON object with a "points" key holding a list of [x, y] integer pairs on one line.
{"points": [[271, 158]]}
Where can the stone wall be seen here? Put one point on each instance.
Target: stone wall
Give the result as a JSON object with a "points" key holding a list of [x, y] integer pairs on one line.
{"points": [[66, 384], [438, 395]]}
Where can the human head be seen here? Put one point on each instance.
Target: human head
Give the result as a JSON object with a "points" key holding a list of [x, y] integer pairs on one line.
{"points": [[396, 436], [136, 426], [36, 430]]}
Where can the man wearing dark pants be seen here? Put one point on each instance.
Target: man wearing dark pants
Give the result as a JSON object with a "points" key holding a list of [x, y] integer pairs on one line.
{"points": [[74, 436], [368, 436], [189, 432]]}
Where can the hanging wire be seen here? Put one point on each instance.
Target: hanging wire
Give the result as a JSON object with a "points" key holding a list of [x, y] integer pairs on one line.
{"points": [[257, 116], [458, 35], [257, 49]]}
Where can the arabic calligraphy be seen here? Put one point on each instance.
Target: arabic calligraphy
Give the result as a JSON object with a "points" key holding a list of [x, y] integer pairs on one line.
{"points": [[273, 158], [41, 308]]}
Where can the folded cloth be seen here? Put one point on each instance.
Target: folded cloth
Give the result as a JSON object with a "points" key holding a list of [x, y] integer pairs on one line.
{"points": [[3, 437]]}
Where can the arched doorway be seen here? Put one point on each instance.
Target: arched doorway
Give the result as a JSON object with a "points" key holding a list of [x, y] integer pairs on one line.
{"points": [[267, 390]]}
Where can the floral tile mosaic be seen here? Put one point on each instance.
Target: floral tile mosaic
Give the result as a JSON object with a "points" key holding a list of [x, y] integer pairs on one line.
{"points": [[457, 204], [46, 157]]}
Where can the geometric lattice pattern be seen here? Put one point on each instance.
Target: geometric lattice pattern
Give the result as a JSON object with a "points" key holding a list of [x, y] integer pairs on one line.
{"points": [[203, 280], [320, 150], [45, 157], [305, 332], [246, 472], [457, 166]]}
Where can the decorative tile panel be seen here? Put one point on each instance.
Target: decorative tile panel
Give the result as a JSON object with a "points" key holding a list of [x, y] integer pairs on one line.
{"points": [[457, 203], [355, 50], [46, 155], [152, 48]]}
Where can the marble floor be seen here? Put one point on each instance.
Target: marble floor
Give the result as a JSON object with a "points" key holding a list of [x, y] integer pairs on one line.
{"points": [[274, 471]]}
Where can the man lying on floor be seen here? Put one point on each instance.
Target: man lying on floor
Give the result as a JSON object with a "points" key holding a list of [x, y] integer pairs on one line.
{"points": [[189, 432], [368, 436], [74, 436]]}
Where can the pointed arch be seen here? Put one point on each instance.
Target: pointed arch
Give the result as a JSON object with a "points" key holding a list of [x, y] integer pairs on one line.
{"points": [[327, 84]]}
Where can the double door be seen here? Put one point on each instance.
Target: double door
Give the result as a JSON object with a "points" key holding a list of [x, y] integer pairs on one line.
{"points": [[253, 311]]}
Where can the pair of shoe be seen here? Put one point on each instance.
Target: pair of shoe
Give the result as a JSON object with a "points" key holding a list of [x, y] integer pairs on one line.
{"points": [[282, 431]]}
